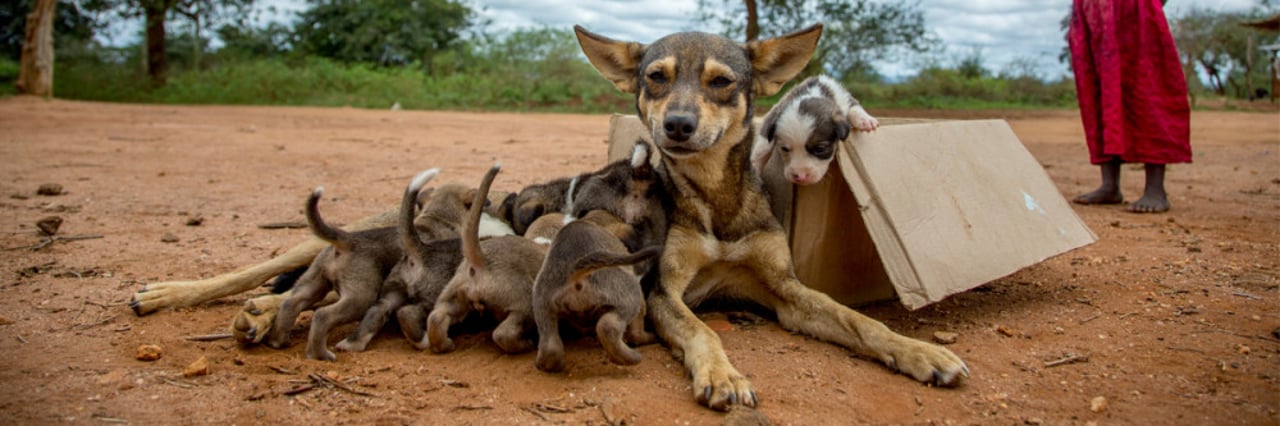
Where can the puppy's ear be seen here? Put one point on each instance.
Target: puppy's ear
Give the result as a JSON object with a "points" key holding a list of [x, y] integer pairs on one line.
{"points": [[777, 60], [842, 126], [468, 198], [506, 210], [424, 195], [615, 60]]}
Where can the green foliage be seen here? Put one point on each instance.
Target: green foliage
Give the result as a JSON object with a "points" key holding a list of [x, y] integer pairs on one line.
{"points": [[8, 76], [855, 32], [385, 32], [1226, 51]]}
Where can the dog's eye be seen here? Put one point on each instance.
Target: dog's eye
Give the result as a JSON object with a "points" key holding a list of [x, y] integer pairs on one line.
{"points": [[720, 82], [657, 77]]}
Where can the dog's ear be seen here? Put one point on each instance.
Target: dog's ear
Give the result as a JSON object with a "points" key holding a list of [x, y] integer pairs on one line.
{"points": [[468, 198], [777, 60], [615, 60]]}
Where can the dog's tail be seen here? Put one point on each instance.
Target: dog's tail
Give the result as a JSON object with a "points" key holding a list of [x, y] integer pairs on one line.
{"points": [[471, 231], [413, 247], [322, 230], [595, 261]]}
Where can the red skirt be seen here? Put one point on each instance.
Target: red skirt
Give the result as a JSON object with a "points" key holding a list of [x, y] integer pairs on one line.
{"points": [[1129, 82]]}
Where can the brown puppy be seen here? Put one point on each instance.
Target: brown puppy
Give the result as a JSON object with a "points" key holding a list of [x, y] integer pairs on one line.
{"points": [[355, 266], [582, 281], [495, 278], [695, 92], [428, 263]]}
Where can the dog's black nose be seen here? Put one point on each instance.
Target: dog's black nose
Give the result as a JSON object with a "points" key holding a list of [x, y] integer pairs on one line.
{"points": [[680, 126]]}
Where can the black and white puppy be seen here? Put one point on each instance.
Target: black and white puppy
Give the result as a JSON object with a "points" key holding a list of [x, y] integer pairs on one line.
{"points": [[806, 126]]}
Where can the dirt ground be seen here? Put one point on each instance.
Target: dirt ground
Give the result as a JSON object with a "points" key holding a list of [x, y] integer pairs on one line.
{"points": [[1177, 314]]}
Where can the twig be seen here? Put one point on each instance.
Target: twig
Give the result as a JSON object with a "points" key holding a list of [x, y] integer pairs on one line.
{"points": [[179, 384], [536, 413], [21, 339], [1175, 348], [1071, 359], [209, 337], [1094, 317], [1219, 330], [298, 390], [1245, 295], [50, 240], [106, 419], [282, 225], [342, 386], [473, 407], [281, 370]]}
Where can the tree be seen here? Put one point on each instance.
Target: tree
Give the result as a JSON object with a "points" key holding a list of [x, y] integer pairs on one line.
{"points": [[385, 32], [856, 32], [35, 75], [1221, 47], [156, 13], [71, 24]]}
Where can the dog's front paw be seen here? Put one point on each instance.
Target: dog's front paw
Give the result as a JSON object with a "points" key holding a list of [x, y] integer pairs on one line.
{"points": [[321, 354], [158, 296], [253, 323], [927, 363], [720, 387], [351, 345]]}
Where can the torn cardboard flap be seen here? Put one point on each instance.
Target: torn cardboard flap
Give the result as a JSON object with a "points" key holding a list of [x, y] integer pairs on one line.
{"points": [[917, 210]]}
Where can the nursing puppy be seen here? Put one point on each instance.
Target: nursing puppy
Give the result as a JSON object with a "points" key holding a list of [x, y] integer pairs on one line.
{"points": [[806, 127], [695, 92], [583, 282], [429, 261], [495, 278], [631, 190], [354, 266]]}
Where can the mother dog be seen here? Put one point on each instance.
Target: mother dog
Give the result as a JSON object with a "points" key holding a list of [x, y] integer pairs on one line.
{"points": [[695, 92]]}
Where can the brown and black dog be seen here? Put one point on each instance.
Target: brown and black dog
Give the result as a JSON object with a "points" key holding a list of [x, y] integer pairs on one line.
{"points": [[695, 92]]}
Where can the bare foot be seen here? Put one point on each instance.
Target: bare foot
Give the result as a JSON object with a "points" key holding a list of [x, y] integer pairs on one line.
{"points": [[1150, 203], [1100, 196]]}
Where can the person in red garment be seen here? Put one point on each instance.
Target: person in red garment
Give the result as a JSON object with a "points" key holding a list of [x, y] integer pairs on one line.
{"points": [[1132, 94]]}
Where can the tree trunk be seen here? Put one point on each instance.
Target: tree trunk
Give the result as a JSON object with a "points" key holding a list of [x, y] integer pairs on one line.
{"points": [[35, 75], [157, 64], [753, 21]]}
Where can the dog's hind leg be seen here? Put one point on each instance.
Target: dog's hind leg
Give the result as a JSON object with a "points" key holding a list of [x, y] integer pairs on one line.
{"points": [[510, 335], [310, 290], [610, 329], [808, 311], [176, 294], [413, 322], [348, 308], [373, 321]]}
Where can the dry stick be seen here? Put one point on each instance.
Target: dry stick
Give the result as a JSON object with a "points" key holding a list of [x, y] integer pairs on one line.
{"points": [[281, 370], [1067, 360], [283, 225], [50, 240], [298, 390], [179, 384], [1096, 316], [536, 413], [337, 384], [1245, 295], [209, 337]]}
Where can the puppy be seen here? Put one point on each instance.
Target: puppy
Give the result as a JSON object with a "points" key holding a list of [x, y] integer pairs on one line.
{"points": [[695, 92], [582, 281], [631, 190], [806, 127], [495, 278], [539, 199], [354, 266], [428, 263]]}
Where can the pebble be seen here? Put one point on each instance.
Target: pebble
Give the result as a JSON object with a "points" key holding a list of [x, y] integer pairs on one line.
{"points": [[198, 368], [169, 238], [1098, 404], [49, 189], [945, 337], [148, 353]]}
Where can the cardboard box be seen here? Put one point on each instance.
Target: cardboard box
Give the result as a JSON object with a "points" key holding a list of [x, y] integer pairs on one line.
{"points": [[918, 210]]}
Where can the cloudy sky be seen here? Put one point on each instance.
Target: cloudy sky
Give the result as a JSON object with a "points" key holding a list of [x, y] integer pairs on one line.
{"points": [[1003, 31]]}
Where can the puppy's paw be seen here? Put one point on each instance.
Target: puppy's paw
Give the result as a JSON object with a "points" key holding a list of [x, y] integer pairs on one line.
{"points": [[927, 363], [550, 361], [350, 345], [865, 123], [720, 387], [253, 323], [321, 354]]}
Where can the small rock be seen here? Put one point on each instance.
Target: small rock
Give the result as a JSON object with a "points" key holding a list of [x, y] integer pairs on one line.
{"points": [[1008, 332], [237, 361], [198, 368], [1098, 404], [1276, 333], [195, 221], [49, 225], [1243, 349], [49, 189], [5, 320], [1034, 421], [945, 337], [169, 238], [148, 353], [741, 415]]}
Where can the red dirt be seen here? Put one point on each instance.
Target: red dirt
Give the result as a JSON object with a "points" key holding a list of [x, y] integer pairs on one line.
{"points": [[1175, 312]]}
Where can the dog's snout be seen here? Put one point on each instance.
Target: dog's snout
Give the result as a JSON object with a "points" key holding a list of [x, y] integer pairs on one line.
{"points": [[680, 126]]}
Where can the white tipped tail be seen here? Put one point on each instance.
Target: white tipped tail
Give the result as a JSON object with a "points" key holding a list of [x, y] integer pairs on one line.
{"points": [[421, 179]]}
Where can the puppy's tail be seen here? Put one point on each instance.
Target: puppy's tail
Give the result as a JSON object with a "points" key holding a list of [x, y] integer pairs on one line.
{"points": [[595, 261], [408, 211], [322, 230], [471, 231]]}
